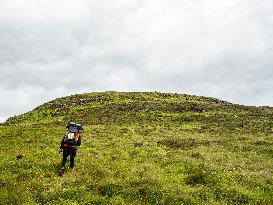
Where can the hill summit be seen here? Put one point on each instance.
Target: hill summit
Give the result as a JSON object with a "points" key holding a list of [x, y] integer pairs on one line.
{"points": [[140, 148], [151, 107]]}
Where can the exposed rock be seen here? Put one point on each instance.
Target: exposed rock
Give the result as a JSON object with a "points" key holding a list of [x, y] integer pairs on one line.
{"points": [[19, 156]]}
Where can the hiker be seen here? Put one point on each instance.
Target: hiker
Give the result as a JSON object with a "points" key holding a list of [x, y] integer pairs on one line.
{"points": [[69, 143]]}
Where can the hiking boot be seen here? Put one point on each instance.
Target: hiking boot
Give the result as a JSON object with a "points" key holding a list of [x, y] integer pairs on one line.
{"points": [[62, 171]]}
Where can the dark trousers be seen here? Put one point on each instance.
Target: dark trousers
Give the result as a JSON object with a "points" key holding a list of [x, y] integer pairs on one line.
{"points": [[67, 151]]}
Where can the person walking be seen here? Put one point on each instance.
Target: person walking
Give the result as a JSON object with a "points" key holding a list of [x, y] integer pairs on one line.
{"points": [[69, 143]]}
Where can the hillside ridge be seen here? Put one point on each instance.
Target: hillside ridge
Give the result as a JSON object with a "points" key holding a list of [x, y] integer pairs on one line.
{"points": [[135, 107], [140, 148]]}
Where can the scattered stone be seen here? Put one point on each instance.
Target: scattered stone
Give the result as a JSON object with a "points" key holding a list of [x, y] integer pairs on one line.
{"points": [[19, 156], [138, 144], [2, 182]]}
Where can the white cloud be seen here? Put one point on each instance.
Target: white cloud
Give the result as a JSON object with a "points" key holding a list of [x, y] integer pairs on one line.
{"points": [[216, 48]]}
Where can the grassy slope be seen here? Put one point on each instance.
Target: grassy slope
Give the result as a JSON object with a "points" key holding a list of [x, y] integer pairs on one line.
{"points": [[140, 148]]}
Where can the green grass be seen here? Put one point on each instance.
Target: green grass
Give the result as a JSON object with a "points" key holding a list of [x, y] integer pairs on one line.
{"points": [[140, 148]]}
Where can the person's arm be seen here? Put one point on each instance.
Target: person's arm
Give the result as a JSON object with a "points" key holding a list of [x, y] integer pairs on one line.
{"points": [[79, 141], [62, 142]]}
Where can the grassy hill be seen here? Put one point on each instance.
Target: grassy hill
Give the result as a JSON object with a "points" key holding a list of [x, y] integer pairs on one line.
{"points": [[140, 148]]}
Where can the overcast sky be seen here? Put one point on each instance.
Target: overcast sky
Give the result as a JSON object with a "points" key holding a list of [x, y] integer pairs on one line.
{"points": [[53, 48]]}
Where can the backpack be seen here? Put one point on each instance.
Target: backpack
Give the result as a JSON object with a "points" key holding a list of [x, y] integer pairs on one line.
{"points": [[70, 139]]}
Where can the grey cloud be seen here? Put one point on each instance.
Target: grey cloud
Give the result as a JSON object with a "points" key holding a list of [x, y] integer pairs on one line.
{"points": [[206, 47]]}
